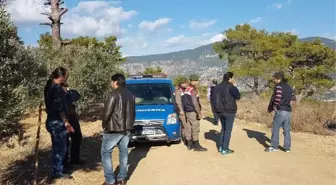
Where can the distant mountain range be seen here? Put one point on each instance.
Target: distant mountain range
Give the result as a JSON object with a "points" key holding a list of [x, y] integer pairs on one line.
{"points": [[202, 61]]}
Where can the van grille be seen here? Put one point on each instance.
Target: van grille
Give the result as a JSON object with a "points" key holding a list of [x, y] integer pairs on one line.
{"points": [[149, 122]]}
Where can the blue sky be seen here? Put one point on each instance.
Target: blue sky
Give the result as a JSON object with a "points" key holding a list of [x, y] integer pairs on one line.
{"points": [[157, 26]]}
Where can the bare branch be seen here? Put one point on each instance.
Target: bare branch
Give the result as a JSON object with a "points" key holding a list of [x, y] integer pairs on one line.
{"points": [[60, 2], [62, 11], [46, 23], [64, 42], [47, 14], [47, 3], [246, 83]]}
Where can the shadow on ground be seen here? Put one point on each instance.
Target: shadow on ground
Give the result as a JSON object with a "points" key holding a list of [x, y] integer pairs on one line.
{"points": [[22, 171], [259, 136], [211, 120], [214, 136]]}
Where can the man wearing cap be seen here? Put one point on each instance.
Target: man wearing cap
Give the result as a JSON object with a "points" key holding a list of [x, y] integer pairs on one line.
{"points": [[192, 108], [179, 93]]}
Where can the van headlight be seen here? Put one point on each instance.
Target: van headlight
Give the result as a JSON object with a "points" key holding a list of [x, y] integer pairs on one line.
{"points": [[172, 119]]}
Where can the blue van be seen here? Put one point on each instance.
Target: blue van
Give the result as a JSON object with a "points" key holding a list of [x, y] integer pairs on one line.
{"points": [[156, 118]]}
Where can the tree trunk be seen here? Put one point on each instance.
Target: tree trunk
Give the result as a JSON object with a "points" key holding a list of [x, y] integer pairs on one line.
{"points": [[55, 17], [256, 86], [56, 24]]}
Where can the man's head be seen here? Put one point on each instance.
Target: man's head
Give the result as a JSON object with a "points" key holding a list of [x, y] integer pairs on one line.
{"points": [[278, 77], [118, 80], [194, 79], [227, 76], [60, 75], [214, 82], [184, 82]]}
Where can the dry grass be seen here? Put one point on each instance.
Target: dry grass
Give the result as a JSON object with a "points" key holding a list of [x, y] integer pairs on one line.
{"points": [[309, 117]]}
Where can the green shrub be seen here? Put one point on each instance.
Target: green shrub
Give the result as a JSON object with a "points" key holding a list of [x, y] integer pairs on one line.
{"points": [[90, 69], [21, 76]]}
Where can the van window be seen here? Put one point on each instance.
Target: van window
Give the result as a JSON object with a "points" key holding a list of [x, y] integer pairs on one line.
{"points": [[151, 94]]}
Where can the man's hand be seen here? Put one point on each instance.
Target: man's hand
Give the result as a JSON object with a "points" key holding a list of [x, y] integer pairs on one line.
{"points": [[69, 128], [199, 116], [181, 112], [233, 82]]}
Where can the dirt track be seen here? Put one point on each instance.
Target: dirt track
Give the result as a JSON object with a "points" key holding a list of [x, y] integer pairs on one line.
{"points": [[312, 161]]}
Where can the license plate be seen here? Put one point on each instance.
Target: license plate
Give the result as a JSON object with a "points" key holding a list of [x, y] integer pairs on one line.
{"points": [[148, 132]]}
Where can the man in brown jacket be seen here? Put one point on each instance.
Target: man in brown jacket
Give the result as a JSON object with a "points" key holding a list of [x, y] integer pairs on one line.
{"points": [[118, 122], [179, 93]]}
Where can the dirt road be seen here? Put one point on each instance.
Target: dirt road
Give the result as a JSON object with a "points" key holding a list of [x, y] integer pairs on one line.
{"points": [[312, 160]]}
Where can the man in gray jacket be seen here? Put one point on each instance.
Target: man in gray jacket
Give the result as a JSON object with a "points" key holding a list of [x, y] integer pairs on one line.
{"points": [[117, 123]]}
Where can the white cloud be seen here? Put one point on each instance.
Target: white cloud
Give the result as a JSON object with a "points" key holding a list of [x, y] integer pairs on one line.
{"points": [[278, 6], [329, 36], [255, 20], [91, 18], [90, 6], [201, 24], [116, 2], [24, 11], [294, 31], [154, 25], [97, 18], [174, 41], [217, 38]]}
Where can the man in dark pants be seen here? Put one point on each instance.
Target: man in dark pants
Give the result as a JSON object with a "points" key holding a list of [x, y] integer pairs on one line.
{"points": [[179, 93], [226, 106], [192, 108], [280, 102], [211, 100], [73, 96]]}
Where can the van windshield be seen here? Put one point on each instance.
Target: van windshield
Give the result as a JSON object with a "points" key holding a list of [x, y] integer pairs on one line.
{"points": [[151, 94]]}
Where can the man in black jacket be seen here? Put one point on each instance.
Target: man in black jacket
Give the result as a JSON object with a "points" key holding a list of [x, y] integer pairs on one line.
{"points": [[280, 102], [225, 105], [211, 99], [117, 123]]}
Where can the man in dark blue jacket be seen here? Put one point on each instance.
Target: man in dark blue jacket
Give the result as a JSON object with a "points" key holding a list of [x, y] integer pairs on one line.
{"points": [[225, 105], [280, 102]]}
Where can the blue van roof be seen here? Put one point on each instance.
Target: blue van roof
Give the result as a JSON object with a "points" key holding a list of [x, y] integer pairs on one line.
{"points": [[148, 80]]}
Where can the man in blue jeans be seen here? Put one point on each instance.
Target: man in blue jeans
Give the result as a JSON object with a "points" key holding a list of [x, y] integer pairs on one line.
{"points": [[117, 123], [225, 105], [280, 102]]}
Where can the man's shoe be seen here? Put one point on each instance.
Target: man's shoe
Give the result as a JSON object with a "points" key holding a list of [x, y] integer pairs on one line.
{"points": [[105, 183], [122, 182], [226, 152], [271, 149], [198, 147], [287, 150], [190, 145], [220, 149], [63, 176]]}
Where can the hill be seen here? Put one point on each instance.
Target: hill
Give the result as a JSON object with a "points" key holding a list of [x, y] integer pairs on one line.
{"points": [[202, 61], [328, 42]]}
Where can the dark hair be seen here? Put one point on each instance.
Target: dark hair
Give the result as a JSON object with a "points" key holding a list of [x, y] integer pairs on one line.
{"points": [[227, 76], [120, 79], [280, 76], [58, 72], [214, 81]]}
